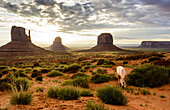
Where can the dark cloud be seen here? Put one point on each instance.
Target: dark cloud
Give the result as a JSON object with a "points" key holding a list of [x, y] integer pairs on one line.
{"points": [[163, 4], [45, 2], [95, 14]]}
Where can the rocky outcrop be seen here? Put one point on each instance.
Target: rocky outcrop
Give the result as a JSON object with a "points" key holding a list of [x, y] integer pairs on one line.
{"points": [[18, 34], [155, 44], [58, 46], [105, 38], [105, 43], [21, 44]]}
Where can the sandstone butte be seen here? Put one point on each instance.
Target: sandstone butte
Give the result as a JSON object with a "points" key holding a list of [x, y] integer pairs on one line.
{"points": [[105, 43], [58, 46], [21, 44]]}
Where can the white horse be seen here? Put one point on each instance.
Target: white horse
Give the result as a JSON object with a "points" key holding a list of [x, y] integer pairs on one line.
{"points": [[121, 76]]}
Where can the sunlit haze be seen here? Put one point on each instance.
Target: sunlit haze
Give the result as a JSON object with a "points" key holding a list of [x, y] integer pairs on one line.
{"points": [[81, 21]]}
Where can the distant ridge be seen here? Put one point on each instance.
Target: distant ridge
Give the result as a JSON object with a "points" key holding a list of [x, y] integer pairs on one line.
{"points": [[155, 44]]}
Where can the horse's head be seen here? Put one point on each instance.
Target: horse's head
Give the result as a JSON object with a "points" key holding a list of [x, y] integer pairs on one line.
{"points": [[123, 84]]}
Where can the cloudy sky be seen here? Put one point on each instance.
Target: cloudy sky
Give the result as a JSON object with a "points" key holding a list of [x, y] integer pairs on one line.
{"points": [[81, 21]]}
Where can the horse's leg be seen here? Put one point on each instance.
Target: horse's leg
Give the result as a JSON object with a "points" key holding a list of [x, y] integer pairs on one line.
{"points": [[119, 80]]}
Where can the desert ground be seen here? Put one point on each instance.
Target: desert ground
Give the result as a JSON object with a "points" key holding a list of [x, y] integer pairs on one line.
{"points": [[152, 101]]}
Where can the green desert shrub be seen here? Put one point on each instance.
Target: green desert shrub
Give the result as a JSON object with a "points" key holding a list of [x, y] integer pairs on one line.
{"points": [[28, 70], [95, 106], [107, 66], [145, 92], [36, 64], [86, 67], [94, 60], [112, 77], [82, 70], [153, 58], [13, 69], [99, 78], [1, 75], [39, 78], [86, 92], [148, 76], [100, 61], [162, 96], [111, 95], [125, 62], [100, 71], [78, 82], [21, 83], [21, 98], [79, 74], [4, 86], [71, 68], [17, 74], [45, 70], [54, 73], [3, 67], [68, 93], [39, 89], [35, 73], [53, 92], [4, 71]]}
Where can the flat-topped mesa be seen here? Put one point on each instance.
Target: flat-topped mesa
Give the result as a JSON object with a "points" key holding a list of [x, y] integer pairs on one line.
{"points": [[155, 44], [18, 34], [105, 38]]}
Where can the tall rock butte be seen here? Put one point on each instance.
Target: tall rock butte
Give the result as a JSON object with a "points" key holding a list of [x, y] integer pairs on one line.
{"points": [[21, 44], [105, 43], [58, 46], [155, 44]]}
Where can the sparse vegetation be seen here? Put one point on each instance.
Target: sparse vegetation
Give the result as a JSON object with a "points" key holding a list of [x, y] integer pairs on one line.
{"points": [[79, 74], [68, 93], [39, 78], [145, 92], [162, 96], [148, 76], [35, 73], [78, 82], [125, 62], [54, 73], [99, 78], [71, 68], [53, 92], [95, 106], [112, 95], [39, 89], [86, 92], [153, 58], [21, 98]]}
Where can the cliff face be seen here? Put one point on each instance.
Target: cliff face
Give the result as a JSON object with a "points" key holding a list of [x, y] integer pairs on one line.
{"points": [[105, 38], [18, 34], [105, 43], [58, 46], [20, 44], [155, 44]]}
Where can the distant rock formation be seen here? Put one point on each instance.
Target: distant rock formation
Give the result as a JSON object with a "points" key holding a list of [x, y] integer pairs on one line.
{"points": [[18, 34], [105, 43], [155, 44], [20, 44], [58, 46]]}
